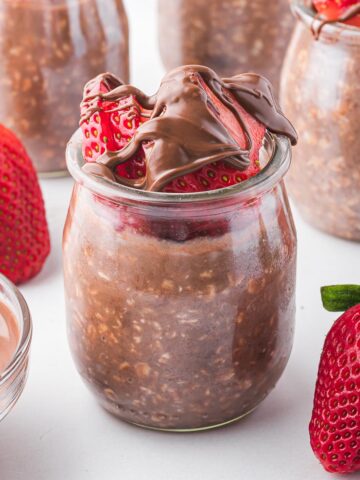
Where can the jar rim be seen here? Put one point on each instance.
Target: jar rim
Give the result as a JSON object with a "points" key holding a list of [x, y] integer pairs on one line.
{"points": [[22, 314], [264, 181], [303, 11]]}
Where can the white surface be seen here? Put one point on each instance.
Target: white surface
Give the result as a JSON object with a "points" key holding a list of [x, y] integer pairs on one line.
{"points": [[57, 431]]}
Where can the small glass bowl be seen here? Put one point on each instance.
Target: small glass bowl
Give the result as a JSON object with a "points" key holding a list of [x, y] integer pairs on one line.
{"points": [[13, 378]]}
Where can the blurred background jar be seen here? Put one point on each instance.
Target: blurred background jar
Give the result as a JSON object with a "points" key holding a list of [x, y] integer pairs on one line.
{"points": [[49, 50], [230, 36], [320, 93]]}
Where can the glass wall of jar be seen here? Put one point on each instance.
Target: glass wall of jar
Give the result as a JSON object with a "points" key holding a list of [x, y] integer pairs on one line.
{"points": [[321, 92], [230, 36], [15, 340], [49, 49], [180, 309]]}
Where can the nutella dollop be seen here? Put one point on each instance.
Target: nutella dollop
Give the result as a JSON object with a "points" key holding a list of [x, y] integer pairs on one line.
{"points": [[184, 132]]}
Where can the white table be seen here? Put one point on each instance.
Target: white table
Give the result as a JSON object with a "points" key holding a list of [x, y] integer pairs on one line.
{"points": [[57, 431]]}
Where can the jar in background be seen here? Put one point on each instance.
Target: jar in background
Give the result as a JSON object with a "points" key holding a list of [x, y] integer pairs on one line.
{"points": [[49, 50], [321, 92], [15, 340], [181, 308], [229, 36]]}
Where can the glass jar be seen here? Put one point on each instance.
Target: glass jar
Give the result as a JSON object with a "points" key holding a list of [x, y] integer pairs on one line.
{"points": [[49, 50], [181, 308], [229, 36], [321, 92], [15, 324]]}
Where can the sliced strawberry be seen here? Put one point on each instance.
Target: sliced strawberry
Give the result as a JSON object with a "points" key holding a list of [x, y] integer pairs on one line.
{"points": [[24, 235], [334, 9], [109, 125], [222, 174]]}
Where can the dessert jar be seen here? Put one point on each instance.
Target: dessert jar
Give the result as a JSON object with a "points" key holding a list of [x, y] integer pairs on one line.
{"points": [[180, 308], [15, 320], [49, 49], [320, 92], [230, 36]]}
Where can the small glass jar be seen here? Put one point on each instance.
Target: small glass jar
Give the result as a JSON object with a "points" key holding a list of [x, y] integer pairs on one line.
{"points": [[320, 92], [180, 308], [229, 36], [50, 48], [15, 316]]}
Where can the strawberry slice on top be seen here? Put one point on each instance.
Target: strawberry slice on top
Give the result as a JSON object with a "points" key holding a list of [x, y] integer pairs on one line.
{"points": [[335, 9], [222, 173], [108, 125]]}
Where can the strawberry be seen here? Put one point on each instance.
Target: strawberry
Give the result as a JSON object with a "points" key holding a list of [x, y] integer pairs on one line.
{"points": [[334, 9], [222, 174], [335, 423], [108, 125], [24, 236], [111, 125]]}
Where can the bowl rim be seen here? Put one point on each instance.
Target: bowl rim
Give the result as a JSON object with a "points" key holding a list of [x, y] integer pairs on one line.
{"points": [[25, 323]]}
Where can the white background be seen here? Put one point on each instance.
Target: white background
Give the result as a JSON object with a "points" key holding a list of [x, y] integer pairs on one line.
{"points": [[57, 431]]}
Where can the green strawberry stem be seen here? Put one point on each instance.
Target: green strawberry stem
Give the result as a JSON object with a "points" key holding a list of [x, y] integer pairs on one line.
{"points": [[338, 298]]}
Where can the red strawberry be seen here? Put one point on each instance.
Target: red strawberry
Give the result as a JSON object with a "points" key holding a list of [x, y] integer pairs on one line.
{"points": [[335, 423], [223, 174], [111, 125], [334, 9], [24, 236], [105, 127]]}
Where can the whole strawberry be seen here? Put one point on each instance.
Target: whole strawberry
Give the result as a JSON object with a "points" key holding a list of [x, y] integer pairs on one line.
{"points": [[24, 236], [335, 423]]}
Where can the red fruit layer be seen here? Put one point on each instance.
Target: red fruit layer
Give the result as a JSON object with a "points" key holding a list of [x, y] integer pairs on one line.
{"points": [[24, 236]]}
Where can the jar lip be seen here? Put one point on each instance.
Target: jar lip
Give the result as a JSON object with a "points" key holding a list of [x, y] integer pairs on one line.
{"points": [[24, 321], [255, 186], [303, 11]]}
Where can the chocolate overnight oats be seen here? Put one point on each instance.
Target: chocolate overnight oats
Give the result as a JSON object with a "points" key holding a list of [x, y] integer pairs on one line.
{"points": [[229, 36], [49, 48], [321, 91], [180, 293]]}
